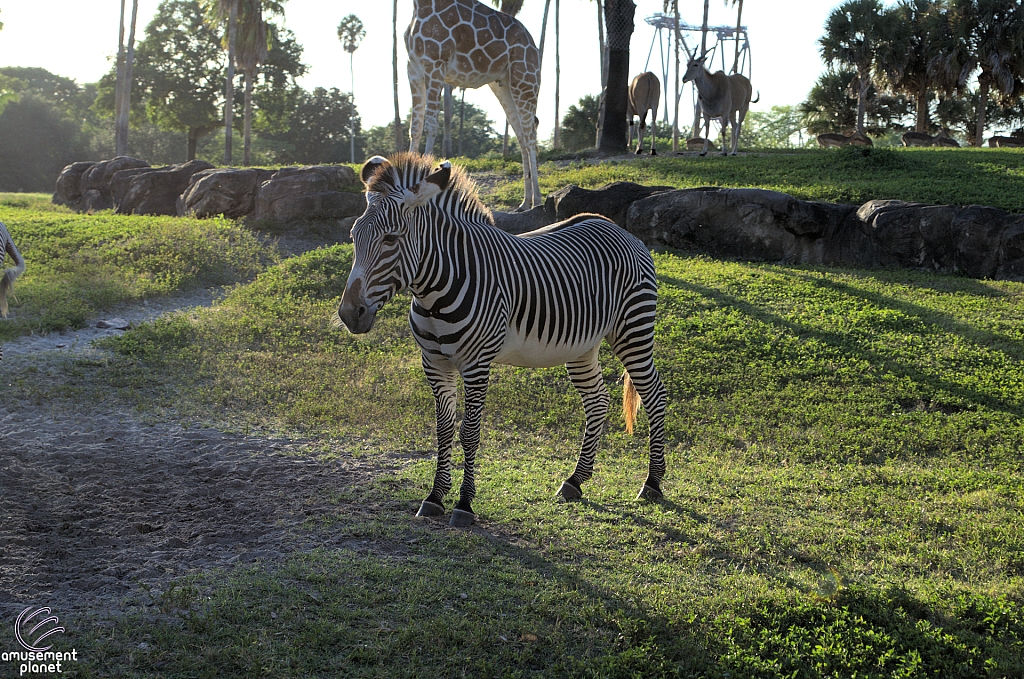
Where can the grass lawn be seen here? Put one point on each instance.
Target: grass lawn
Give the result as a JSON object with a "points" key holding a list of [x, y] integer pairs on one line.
{"points": [[845, 494]]}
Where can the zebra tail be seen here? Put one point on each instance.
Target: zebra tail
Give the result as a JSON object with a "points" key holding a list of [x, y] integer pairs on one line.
{"points": [[10, 275], [630, 402]]}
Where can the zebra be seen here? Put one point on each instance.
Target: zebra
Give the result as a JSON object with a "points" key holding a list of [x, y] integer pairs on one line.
{"points": [[483, 296], [7, 247]]}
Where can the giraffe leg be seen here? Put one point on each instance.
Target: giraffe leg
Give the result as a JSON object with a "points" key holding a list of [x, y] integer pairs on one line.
{"points": [[475, 382], [585, 374], [634, 345], [433, 97], [443, 382], [419, 99], [524, 125]]}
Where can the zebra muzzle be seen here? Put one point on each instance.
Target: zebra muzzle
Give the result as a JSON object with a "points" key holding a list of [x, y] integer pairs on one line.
{"points": [[358, 318]]}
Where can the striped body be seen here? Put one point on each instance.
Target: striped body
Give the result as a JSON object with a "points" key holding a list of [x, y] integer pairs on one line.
{"points": [[482, 296]]}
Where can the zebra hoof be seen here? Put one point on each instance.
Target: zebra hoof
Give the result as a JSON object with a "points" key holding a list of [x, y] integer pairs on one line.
{"points": [[569, 492], [461, 518], [428, 508], [650, 494]]}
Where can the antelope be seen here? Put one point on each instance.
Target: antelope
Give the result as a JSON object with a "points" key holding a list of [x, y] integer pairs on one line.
{"points": [[721, 96], [943, 139], [918, 139], [644, 93], [1006, 142], [856, 139], [697, 143]]}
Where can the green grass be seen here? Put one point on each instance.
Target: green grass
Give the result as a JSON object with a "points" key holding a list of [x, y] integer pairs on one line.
{"points": [[80, 264], [844, 493], [942, 176]]}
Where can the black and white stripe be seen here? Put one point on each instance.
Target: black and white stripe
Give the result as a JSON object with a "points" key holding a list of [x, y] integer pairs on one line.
{"points": [[482, 296]]}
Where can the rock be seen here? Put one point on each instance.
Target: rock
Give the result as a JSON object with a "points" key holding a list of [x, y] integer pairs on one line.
{"points": [[745, 223], [612, 201], [521, 222], [69, 184], [156, 191], [314, 192], [98, 177], [114, 324], [227, 192]]}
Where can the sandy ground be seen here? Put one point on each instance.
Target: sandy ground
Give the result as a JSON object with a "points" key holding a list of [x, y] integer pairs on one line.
{"points": [[99, 511]]}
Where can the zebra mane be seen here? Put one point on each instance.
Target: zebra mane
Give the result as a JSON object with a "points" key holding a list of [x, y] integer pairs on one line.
{"points": [[405, 170]]}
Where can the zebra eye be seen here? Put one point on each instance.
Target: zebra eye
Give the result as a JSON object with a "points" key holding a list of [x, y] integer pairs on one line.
{"points": [[390, 239]]}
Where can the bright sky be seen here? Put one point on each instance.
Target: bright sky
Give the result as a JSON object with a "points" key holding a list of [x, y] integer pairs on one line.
{"points": [[77, 39]]}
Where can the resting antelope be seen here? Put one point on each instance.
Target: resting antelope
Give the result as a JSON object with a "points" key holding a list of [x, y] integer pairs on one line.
{"points": [[8, 277], [644, 94], [721, 96], [830, 139], [1006, 142]]}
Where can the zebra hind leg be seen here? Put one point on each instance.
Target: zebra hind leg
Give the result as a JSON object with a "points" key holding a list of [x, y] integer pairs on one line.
{"points": [[638, 361], [443, 384], [585, 375]]}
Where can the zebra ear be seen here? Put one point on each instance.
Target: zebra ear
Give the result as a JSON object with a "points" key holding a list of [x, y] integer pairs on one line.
{"points": [[430, 186], [371, 166]]}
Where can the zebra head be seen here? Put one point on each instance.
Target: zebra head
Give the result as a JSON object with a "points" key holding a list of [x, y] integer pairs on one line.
{"points": [[386, 257]]}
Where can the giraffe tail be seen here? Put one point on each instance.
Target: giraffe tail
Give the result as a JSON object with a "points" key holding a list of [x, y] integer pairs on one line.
{"points": [[10, 275], [630, 402]]}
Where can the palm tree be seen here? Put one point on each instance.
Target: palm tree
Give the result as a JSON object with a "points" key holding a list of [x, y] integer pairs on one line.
{"points": [[558, 70], [739, 26], [905, 47], [351, 33], [250, 52], [851, 38], [987, 35], [121, 124], [704, 30], [119, 84], [394, 74], [217, 11]]}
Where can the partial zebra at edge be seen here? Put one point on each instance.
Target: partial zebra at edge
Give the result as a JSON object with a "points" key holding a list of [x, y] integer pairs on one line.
{"points": [[10, 275]]}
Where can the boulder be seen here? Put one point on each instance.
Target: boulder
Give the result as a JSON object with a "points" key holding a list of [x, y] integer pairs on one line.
{"points": [[69, 184], [522, 222], [95, 182], [227, 192], [155, 191], [314, 192], [744, 223], [612, 201]]}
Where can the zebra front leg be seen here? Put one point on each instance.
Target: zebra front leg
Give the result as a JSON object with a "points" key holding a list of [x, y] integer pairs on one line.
{"points": [[444, 384], [585, 375], [475, 382]]}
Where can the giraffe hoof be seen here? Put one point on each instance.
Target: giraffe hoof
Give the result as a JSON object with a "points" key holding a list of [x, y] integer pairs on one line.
{"points": [[704, 153], [569, 492], [461, 518], [653, 152], [430, 509], [650, 494]]}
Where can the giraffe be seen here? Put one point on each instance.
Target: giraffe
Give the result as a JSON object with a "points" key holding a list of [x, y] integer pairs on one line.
{"points": [[464, 43]]}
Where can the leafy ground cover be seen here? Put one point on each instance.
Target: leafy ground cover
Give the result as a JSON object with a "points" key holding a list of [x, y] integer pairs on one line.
{"points": [[80, 264], [845, 493], [942, 176]]}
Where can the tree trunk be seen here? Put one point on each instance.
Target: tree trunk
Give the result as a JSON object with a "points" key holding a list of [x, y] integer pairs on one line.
{"points": [[704, 30], [446, 139], [462, 120], [119, 87], [739, 26], [193, 140], [556, 142], [352, 116], [229, 85], [675, 114], [126, 92], [864, 82], [543, 29], [619, 21], [604, 68], [923, 123], [247, 120], [504, 143], [983, 86], [394, 75]]}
